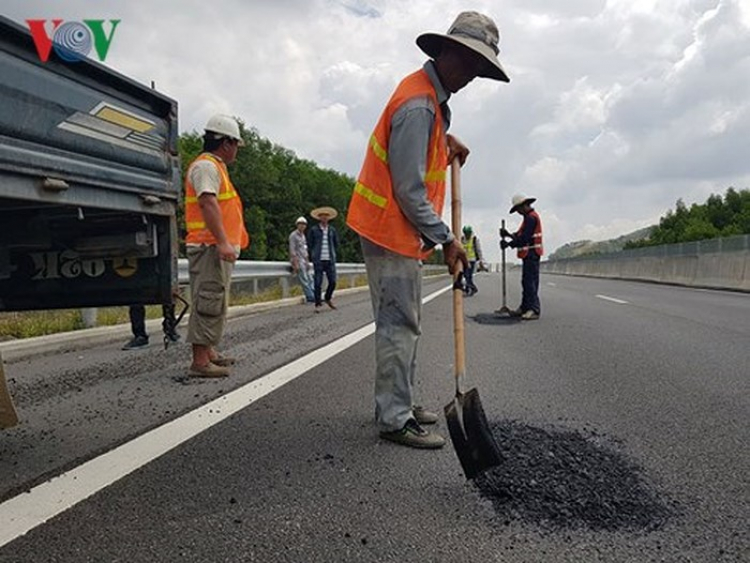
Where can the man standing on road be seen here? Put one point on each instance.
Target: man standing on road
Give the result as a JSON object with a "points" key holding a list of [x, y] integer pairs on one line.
{"points": [[300, 258], [471, 245], [216, 232], [528, 241], [396, 208], [324, 242]]}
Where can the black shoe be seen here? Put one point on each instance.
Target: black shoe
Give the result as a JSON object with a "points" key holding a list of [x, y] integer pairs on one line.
{"points": [[172, 337], [136, 342]]}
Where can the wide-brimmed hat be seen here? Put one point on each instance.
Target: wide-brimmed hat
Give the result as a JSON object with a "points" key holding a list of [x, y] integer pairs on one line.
{"points": [[318, 211], [518, 200], [475, 31]]}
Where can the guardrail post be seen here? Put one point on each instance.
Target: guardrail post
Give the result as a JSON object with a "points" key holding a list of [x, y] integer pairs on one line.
{"points": [[89, 316], [284, 283]]}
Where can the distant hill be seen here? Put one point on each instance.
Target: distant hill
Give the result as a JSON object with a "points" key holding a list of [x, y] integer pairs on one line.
{"points": [[585, 247]]}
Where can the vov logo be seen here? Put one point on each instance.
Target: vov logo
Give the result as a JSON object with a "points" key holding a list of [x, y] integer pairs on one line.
{"points": [[72, 41]]}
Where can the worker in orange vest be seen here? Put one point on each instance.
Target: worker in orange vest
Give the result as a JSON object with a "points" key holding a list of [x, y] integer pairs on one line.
{"points": [[216, 232], [397, 205], [528, 242]]}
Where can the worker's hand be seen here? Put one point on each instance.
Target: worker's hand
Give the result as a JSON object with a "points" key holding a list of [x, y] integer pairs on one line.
{"points": [[504, 244], [457, 149], [504, 233], [226, 252], [454, 254], [295, 266]]}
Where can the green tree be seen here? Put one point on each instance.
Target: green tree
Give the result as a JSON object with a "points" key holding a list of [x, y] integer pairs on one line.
{"points": [[718, 217]]}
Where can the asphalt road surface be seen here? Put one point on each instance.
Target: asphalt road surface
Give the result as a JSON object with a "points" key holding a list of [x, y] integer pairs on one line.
{"points": [[622, 413]]}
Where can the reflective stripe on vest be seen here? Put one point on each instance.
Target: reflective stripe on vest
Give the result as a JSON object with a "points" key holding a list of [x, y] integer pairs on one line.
{"points": [[523, 251], [230, 205], [373, 212]]}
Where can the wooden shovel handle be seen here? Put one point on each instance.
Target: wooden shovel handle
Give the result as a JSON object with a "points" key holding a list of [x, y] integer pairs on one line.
{"points": [[458, 295]]}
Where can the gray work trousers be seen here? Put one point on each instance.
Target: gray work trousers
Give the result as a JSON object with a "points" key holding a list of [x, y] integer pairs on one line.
{"points": [[396, 291]]}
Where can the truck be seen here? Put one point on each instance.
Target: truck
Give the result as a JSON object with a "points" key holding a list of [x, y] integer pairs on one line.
{"points": [[89, 183]]}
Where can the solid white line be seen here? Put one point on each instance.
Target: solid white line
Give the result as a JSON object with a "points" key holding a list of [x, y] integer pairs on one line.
{"points": [[28, 510], [612, 299]]}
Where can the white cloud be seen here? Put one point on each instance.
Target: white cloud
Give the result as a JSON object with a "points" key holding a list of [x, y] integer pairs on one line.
{"points": [[616, 108]]}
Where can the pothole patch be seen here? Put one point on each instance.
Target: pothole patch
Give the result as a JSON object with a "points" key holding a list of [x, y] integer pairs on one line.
{"points": [[562, 478], [494, 319]]}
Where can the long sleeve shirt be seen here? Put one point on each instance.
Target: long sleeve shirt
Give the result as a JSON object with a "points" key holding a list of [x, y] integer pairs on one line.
{"points": [[411, 126]]}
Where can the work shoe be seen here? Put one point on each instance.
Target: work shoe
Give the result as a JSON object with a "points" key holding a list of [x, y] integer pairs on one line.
{"points": [[172, 337], [423, 416], [136, 342], [223, 361], [209, 370], [516, 312], [330, 304], [414, 436], [530, 316]]}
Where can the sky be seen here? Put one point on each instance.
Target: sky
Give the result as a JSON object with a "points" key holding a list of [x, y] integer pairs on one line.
{"points": [[615, 110]]}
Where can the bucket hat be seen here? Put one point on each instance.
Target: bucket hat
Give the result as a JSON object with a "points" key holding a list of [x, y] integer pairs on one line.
{"points": [[518, 200], [318, 211], [475, 31], [300, 219]]}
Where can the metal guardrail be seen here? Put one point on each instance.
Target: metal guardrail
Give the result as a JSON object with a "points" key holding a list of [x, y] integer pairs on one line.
{"points": [[245, 270]]}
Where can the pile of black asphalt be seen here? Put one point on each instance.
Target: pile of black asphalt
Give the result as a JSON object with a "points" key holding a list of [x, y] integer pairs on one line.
{"points": [[568, 479]]}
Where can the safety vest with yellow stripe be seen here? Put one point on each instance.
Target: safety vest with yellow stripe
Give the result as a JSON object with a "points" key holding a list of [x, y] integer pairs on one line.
{"points": [[373, 211], [536, 243], [230, 204]]}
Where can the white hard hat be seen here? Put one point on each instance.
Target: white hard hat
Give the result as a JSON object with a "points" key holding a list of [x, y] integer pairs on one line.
{"points": [[300, 220], [224, 125], [518, 200]]}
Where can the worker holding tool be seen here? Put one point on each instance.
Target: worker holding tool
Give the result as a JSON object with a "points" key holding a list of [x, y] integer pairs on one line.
{"points": [[473, 249], [396, 208], [216, 232], [528, 242]]}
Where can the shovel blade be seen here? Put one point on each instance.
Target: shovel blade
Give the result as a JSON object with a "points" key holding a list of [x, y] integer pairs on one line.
{"points": [[470, 433], [8, 416]]}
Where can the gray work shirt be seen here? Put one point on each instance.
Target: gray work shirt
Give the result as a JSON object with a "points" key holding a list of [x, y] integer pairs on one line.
{"points": [[411, 126]]}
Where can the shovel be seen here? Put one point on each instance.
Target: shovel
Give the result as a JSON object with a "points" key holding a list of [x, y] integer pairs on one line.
{"points": [[504, 310], [8, 416], [467, 424]]}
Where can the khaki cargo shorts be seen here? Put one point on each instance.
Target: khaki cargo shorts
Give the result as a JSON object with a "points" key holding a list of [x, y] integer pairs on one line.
{"points": [[210, 281]]}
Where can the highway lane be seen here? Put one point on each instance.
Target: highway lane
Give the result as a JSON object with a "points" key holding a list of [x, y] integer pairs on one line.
{"points": [[301, 476]]}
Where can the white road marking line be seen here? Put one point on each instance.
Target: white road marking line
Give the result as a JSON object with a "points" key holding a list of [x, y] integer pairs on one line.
{"points": [[28, 510], [612, 299], [551, 284]]}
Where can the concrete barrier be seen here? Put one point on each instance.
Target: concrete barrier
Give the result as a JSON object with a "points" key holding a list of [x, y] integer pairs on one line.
{"points": [[715, 264]]}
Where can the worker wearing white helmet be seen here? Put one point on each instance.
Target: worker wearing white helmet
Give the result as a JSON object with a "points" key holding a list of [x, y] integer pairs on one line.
{"points": [[214, 219], [299, 257], [528, 242]]}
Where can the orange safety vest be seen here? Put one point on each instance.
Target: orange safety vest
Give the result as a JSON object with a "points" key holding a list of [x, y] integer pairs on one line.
{"points": [[230, 204], [373, 211], [523, 251]]}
